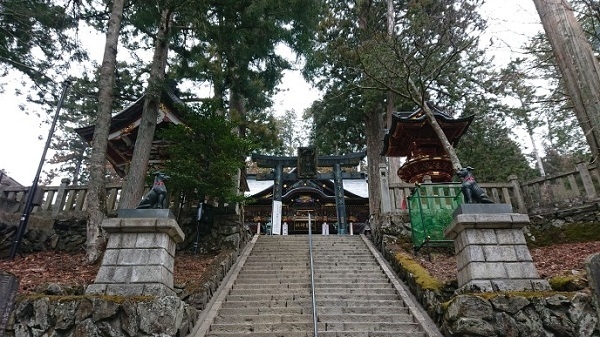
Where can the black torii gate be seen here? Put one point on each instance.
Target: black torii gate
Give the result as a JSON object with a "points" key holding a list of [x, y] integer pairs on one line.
{"points": [[306, 163]]}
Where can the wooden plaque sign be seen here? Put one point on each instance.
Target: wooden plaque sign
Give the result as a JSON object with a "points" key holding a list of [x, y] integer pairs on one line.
{"points": [[307, 162], [9, 285]]}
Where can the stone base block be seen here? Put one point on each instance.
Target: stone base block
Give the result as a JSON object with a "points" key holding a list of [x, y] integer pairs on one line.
{"points": [[491, 250], [139, 257]]}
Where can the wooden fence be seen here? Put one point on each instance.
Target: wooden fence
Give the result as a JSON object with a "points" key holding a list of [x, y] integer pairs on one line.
{"points": [[539, 196]]}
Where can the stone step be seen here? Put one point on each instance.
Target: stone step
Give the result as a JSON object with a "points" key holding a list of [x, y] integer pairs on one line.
{"points": [[298, 310], [335, 302], [336, 291], [284, 329], [287, 327], [371, 318], [282, 267], [355, 297], [321, 334], [371, 326], [324, 256], [275, 272], [257, 277], [270, 287], [346, 268], [263, 318], [258, 281], [368, 334], [290, 284], [275, 297], [306, 304], [348, 276], [392, 310], [270, 290], [369, 285]]}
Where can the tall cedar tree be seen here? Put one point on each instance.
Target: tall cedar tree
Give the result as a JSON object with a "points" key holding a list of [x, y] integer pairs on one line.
{"points": [[34, 39], [96, 188], [136, 176], [577, 63], [421, 59]]}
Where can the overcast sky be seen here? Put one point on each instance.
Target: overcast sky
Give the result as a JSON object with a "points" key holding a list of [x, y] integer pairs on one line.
{"points": [[22, 137]]}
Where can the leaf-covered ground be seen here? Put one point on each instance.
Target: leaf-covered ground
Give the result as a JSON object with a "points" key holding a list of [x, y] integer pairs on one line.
{"points": [[561, 259], [38, 269]]}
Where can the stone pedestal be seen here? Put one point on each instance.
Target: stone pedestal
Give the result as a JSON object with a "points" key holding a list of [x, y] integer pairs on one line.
{"points": [[140, 254], [491, 250]]}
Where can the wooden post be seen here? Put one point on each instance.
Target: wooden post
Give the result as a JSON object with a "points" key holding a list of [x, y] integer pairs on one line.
{"points": [[586, 178], [514, 181], [61, 196]]}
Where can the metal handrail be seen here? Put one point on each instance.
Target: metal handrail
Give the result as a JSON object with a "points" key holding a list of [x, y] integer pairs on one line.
{"points": [[312, 277]]}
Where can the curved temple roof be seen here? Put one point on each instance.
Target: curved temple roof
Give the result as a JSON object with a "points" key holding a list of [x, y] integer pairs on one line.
{"points": [[408, 128], [124, 126]]}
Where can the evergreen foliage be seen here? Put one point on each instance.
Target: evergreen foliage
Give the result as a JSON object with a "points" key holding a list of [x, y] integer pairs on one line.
{"points": [[35, 38], [203, 154]]}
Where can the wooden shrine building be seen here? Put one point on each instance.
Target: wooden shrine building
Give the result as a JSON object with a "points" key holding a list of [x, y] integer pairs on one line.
{"points": [[124, 128], [412, 136], [338, 198]]}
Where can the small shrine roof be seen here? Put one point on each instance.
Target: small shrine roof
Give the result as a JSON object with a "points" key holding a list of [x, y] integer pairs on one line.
{"points": [[124, 126], [413, 128]]}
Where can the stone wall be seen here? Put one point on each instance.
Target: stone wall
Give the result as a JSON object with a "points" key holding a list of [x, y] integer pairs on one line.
{"points": [[44, 234], [219, 231], [101, 316], [502, 314], [540, 314], [78, 315]]}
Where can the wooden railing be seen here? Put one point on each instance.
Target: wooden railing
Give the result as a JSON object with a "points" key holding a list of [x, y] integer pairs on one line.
{"points": [[56, 200], [539, 196]]}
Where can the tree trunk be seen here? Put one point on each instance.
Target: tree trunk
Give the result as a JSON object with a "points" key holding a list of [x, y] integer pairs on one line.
{"points": [[135, 179], [393, 162], [577, 64], [237, 112], [448, 148], [374, 135], [96, 187], [442, 137]]}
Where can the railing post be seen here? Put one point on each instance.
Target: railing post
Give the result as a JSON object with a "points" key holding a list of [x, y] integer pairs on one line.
{"points": [[586, 178], [514, 181], [385, 190], [61, 196]]}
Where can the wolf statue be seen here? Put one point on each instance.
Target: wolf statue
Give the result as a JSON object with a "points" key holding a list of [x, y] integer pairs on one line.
{"points": [[472, 192], [157, 196]]}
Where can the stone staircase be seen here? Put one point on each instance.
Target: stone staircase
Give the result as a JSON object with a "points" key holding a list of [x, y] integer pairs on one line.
{"points": [[268, 293]]}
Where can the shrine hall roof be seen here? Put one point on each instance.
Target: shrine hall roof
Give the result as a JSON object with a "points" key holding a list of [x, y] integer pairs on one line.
{"points": [[359, 187], [124, 126]]}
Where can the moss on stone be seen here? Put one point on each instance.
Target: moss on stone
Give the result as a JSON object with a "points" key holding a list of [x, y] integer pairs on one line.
{"points": [[568, 233], [562, 283], [422, 276], [69, 298]]}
